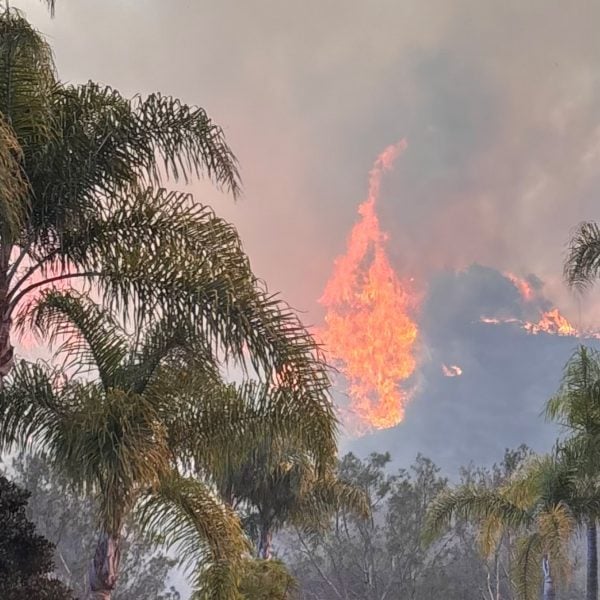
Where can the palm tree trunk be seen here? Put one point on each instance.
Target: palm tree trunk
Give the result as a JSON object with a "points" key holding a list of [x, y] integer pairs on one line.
{"points": [[549, 593], [264, 543], [592, 561], [104, 568], [6, 348]]}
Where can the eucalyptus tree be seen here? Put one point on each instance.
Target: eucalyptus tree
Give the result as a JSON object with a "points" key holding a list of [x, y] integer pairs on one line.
{"points": [[123, 418], [576, 406], [541, 504]]}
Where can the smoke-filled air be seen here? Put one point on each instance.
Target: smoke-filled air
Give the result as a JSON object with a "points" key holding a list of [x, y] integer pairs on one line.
{"points": [[299, 300]]}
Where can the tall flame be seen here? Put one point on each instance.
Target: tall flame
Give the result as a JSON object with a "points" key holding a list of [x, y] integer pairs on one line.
{"points": [[368, 328]]}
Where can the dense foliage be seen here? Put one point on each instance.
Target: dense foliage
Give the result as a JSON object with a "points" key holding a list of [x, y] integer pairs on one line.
{"points": [[26, 557]]}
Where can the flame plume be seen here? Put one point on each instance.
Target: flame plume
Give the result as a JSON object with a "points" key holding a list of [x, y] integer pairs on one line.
{"points": [[368, 328]]}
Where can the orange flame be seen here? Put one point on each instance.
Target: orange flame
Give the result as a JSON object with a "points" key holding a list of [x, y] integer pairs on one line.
{"points": [[551, 322], [451, 371], [368, 329], [522, 285]]}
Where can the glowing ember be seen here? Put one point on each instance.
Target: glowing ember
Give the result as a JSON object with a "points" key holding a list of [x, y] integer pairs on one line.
{"points": [[451, 371], [368, 328]]}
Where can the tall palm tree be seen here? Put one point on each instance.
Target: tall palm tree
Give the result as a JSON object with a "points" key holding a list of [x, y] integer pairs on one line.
{"points": [[124, 418], [81, 200], [542, 503], [576, 406]]}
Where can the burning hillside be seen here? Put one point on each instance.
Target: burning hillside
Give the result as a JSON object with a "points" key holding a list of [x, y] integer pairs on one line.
{"points": [[370, 326]]}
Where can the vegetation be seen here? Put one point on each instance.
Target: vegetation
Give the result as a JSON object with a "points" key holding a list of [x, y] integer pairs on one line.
{"points": [[25, 556], [136, 414], [68, 521]]}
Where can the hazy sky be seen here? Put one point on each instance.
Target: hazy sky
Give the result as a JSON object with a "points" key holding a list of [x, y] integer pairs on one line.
{"points": [[499, 102]]}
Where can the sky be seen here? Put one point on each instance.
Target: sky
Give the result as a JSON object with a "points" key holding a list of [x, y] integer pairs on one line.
{"points": [[499, 103]]}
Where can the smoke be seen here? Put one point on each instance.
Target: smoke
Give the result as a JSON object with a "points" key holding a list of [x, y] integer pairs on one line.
{"points": [[497, 100]]}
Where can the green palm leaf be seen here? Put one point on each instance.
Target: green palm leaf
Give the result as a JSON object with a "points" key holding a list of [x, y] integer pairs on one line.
{"points": [[186, 511], [582, 265], [89, 336]]}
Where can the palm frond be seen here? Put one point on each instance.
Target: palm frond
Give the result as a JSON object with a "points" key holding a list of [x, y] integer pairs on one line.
{"points": [[13, 186], [582, 265], [327, 496], [471, 503], [185, 138], [170, 362], [577, 403], [115, 447], [105, 145], [556, 525], [31, 408], [527, 567], [223, 425], [27, 79], [207, 535], [88, 336]]}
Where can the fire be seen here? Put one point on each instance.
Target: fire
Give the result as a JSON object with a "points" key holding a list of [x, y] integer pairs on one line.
{"points": [[451, 371], [550, 321], [522, 285], [368, 328]]}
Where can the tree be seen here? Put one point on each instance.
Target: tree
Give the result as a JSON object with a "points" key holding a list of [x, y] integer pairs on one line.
{"points": [[576, 406], [69, 522], [77, 163], [25, 556], [541, 504], [266, 580], [157, 404], [381, 557], [282, 481], [81, 200]]}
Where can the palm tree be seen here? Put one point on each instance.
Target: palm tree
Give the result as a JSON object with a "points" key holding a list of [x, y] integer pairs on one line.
{"points": [[576, 406], [279, 482], [76, 161], [81, 200], [155, 406], [542, 503], [582, 265]]}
